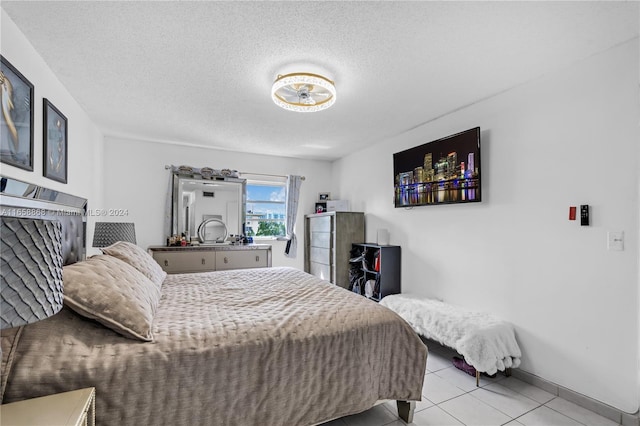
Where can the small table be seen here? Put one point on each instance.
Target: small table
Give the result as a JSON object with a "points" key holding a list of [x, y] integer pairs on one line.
{"points": [[75, 408]]}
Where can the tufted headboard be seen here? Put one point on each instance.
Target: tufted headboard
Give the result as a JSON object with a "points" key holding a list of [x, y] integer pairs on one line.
{"points": [[22, 199]]}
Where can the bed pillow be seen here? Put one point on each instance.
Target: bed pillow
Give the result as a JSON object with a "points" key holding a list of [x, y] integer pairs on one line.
{"points": [[139, 259], [113, 293]]}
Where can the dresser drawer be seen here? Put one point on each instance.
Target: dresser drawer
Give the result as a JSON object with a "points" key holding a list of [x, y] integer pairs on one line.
{"points": [[182, 262], [320, 255], [241, 259], [320, 239], [320, 270], [320, 224]]}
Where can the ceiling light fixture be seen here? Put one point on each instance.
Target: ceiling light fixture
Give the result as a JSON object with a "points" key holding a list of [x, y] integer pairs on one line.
{"points": [[303, 92]]}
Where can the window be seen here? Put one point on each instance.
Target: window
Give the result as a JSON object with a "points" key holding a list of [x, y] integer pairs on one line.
{"points": [[266, 209]]}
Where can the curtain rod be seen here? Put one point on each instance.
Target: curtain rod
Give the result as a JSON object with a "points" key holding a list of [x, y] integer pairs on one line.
{"points": [[266, 174], [167, 167]]}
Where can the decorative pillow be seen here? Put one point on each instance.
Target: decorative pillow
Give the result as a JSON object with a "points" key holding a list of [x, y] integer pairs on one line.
{"points": [[113, 293], [139, 259]]}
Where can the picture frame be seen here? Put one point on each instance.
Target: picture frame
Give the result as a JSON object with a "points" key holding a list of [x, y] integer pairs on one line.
{"points": [[321, 208], [16, 133], [55, 132], [323, 197]]}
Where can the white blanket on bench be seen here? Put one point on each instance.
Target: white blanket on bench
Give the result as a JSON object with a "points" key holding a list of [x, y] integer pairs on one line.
{"points": [[486, 342]]}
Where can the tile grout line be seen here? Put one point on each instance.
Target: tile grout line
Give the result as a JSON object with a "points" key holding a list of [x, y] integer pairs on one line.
{"points": [[541, 405], [465, 393], [506, 414], [496, 408], [461, 422], [550, 408], [566, 415], [513, 390], [559, 390]]}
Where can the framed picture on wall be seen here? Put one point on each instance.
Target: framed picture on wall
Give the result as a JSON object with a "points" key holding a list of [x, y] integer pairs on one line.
{"points": [[55, 143], [16, 119], [323, 197]]}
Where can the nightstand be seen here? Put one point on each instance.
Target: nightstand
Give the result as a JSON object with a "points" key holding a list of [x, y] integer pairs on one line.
{"points": [[75, 408]]}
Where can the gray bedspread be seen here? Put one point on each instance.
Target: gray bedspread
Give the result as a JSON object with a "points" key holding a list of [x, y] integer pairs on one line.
{"points": [[273, 346]]}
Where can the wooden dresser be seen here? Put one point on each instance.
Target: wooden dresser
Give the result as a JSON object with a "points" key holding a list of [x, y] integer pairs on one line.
{"points": [[178, 260], [328, 240]]}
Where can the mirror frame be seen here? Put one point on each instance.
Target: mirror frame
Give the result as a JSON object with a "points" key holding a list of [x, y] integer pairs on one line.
{"points": [[176, 194]]}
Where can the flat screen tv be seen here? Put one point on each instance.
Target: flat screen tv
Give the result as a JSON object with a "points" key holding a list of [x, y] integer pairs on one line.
{"points": [[443, 171]]}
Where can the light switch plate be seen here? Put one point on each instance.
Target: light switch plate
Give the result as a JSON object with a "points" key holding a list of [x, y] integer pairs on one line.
{"points": [[615, 240]]}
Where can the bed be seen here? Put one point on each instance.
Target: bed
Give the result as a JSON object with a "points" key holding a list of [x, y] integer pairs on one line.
{"points": [[273, 346]]}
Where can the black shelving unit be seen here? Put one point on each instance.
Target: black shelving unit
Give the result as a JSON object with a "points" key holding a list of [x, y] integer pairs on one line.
{"points": [[363, 268]]}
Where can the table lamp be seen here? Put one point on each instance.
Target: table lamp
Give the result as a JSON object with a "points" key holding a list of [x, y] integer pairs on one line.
{"points": [[30, 269], [107, 233]]}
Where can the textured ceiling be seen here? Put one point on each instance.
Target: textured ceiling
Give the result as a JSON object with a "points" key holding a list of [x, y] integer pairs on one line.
{"points": [[200, 73]]}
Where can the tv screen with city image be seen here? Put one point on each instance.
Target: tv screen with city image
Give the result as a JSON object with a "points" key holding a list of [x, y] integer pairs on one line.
{"points": [[443, 171]]}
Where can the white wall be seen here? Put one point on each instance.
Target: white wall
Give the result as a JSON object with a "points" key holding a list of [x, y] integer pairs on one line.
{"points": [[84, 138], [136, 180], [567, 139]]}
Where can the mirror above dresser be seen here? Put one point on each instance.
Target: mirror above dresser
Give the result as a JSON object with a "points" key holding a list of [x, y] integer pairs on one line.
{"points": [[206, 208], [217, 203]]}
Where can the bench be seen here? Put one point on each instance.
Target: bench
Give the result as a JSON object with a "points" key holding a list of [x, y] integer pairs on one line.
{"points": [[486, 342]]}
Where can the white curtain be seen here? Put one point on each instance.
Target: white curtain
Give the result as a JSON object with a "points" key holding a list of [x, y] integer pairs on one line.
{"points": [[293, 194]]}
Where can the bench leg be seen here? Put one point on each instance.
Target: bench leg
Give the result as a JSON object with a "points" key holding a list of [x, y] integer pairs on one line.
{"points": [[406, 410]]}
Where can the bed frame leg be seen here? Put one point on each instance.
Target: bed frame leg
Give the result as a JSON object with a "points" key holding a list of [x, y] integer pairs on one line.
{"points": [[507, 372], [406, 410], [477, 379]]}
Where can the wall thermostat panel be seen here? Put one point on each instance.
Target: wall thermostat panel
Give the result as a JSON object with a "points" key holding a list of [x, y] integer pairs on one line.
{"points": [[584, 215]]}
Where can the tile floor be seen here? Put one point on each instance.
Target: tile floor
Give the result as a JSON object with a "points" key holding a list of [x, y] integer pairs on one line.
{"points": [[450, 397]]}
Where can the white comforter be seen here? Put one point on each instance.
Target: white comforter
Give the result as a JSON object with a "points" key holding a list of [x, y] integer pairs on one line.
{"points": [[486, 342]]}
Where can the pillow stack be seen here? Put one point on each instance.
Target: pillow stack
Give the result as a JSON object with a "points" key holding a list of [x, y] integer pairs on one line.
{"points": [[139, 259], [121, 289]]}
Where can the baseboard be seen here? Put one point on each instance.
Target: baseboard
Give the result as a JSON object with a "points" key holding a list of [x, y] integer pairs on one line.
{"points": [[598, 407]]}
